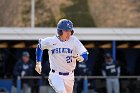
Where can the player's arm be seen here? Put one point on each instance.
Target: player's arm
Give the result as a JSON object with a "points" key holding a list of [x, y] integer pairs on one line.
{"points": [[81, 50], [118, 69], [103, 70], [39, 53], [83, 57], [16, 70], [42, 44], [103, 73]]}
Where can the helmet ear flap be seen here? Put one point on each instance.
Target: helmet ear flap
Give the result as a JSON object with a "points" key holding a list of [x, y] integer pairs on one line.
{"points": [[72, 32], [60, 32]]}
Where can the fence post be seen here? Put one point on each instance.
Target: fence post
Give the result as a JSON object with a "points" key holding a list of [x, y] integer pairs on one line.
{"points": [[114, 50], [18, 84], [85, 85], [32, 13]]}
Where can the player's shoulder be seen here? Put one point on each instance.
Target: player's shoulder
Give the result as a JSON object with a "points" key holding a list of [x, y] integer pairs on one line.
{"points": [[48, 38], [53, 37], [74, 38]]}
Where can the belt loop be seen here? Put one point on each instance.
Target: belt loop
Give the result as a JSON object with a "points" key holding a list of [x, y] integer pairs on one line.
{"points": [[52, 70]]}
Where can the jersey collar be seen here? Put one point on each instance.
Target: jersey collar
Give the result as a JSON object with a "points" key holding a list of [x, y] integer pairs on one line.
{"points": [[60, 39]]}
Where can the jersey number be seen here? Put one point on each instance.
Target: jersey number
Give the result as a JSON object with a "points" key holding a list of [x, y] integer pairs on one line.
{"points": [[69, 59]]}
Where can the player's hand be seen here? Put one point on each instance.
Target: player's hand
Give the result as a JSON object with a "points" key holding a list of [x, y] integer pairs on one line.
{"points": [[79, 58], [23, 73], [38, 67]]}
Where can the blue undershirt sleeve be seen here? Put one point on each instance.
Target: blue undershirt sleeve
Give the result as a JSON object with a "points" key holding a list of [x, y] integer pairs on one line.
{"points": [[39, 53], [85, 56]]}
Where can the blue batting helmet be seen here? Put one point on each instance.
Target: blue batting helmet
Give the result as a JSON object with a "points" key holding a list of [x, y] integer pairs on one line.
{"points": [[66, 25]]}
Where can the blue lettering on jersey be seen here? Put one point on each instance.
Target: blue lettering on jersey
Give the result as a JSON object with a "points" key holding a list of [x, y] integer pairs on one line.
{"points": [[61, 50]]}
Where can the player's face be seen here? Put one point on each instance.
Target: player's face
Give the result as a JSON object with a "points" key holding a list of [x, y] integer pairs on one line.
{"points": [[25, 59], [108, 59], [66, 35]]}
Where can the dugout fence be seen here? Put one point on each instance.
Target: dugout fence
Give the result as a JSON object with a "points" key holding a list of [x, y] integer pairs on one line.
{"points": [[133, 81]]}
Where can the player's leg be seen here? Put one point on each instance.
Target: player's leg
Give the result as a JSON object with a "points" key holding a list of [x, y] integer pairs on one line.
{"points": [[109, 85], [57, 83], [69, 83], [116, 86]]}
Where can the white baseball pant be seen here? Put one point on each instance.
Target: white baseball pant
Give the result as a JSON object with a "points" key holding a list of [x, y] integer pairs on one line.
{"points": [[61, 83]]}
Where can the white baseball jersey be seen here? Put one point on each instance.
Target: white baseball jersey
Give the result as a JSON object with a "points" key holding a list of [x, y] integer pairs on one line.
{"points": [[61, 52]]}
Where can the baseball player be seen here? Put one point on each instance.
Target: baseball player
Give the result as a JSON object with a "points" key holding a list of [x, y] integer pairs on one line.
{"points": [[64, 50], [111, 69]]}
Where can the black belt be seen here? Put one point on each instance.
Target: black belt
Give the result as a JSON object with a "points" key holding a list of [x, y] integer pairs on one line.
{"points": [[61, 73]]}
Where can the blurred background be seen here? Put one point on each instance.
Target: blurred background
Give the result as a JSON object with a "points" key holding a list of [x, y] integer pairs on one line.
{"points": [[103, 26]]}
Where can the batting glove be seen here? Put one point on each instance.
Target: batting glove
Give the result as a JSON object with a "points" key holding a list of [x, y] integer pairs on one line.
{"points": [[38, 67], [79, 58]]}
